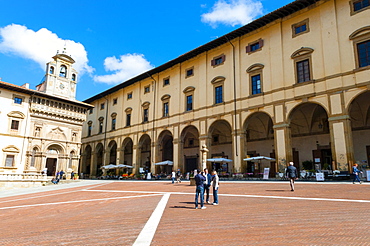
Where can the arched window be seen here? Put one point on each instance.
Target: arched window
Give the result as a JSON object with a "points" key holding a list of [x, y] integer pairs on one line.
{"points": [[71, 156], [63, 71], [51, 70], [33, 157], [73, 77]]}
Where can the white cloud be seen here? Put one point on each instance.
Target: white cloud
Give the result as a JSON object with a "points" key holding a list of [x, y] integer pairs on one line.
{"points": [[41, 46], [126, 67], [233, 12]]}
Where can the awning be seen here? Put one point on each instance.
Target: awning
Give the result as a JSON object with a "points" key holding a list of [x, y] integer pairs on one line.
{"points": [[219, 160], [162, 163], [259, 158]]}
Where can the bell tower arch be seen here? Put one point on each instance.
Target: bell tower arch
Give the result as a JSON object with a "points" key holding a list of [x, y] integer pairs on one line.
{"points": [[60, 77]]}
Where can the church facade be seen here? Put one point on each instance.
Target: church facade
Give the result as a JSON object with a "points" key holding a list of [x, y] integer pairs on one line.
{"points": [[292, 85], [41, 130]]}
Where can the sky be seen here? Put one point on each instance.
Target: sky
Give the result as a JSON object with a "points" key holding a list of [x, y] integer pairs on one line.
{"points": [[112, 40]]}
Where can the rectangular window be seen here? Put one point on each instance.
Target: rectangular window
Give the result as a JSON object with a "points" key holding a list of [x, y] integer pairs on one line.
{"points": [[191, 142], [299, 29], [189, 72], [218, 60], [358, 5], [15, 125], [89, 128], [146, 115], [91, 111], [146, 89], [256, 84], [252, 47], [9, 161], [129, 96], [102, 106], [363, 50], [115, 101], [255, 46], [165, 109], [113, 124], [166, 81], [18, 100], [215, 139], [218, 94], [303, 71], [189, 103], [128, 119]]}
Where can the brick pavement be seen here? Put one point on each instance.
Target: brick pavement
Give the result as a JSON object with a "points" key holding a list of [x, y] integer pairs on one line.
{"points": [[250, 213]]}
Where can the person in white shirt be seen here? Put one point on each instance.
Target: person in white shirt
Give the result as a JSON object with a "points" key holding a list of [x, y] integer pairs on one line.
{"points": [[173, 176], [215, 185]]}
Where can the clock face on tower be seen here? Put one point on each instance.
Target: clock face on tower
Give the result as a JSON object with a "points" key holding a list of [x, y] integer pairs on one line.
{"points": [[61, 86]]}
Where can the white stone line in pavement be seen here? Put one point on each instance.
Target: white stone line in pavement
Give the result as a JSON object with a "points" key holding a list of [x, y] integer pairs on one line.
{"points": [[40, 189], [147, 233], [54, 194], [129, 191], [79, 201], [236, 195], [299, 198]]}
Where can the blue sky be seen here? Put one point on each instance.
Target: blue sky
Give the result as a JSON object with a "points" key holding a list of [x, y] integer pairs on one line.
{"points": [[112, 40]]}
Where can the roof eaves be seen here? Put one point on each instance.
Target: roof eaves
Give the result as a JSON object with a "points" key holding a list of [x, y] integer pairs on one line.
{"points": [[282, 12]]}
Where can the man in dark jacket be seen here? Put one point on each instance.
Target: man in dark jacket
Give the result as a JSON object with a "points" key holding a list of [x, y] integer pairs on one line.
{"points": [[199, 182], [291, 174], [207, 184]]}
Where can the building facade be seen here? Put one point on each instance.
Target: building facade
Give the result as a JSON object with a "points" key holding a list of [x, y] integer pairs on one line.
{"points": [[292, 85], [41, 128]]}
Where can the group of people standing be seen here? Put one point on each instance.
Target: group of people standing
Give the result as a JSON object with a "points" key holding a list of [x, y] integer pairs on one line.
{"points": [[204, 181]]}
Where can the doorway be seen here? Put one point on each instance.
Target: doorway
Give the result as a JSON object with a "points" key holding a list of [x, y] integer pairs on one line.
{"points": [[51, 165], [190, 164]]}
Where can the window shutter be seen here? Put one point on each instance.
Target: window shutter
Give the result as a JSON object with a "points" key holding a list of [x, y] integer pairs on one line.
{"points": [[261, 43], [248, 49], [223, 58], [213, 62]]}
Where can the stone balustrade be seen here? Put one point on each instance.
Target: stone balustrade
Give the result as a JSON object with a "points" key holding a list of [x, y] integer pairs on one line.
{"points": [[22, 177]]}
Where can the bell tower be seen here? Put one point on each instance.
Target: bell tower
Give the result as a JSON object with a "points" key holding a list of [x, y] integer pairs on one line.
{"points": [[60, 78]]}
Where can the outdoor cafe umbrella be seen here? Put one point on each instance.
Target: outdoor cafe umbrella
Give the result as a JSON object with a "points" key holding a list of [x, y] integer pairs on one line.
{"points": [[110, 166], [162, 163], [259, 159], [124, 166], [219, 160]]}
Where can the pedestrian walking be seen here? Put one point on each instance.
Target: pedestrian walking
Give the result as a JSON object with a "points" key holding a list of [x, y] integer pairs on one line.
{"points": [[291, 174], [173, 176], [356, 173], [72, 175], [207, 184], [199, 191], [178, 176], [215, 183], [61, 173]]}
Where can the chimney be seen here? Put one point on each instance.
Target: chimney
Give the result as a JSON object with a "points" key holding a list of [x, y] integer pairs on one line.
{"points": [[26, 85]]}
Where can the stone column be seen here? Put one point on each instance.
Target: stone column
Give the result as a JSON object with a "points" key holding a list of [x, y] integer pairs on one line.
{"points": [[93, 165], [283, 146], [136, 158], [342, 143], [238, 153], [153, 156], [204, 155], [203, 141], [120, 158], [176, 154]]}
